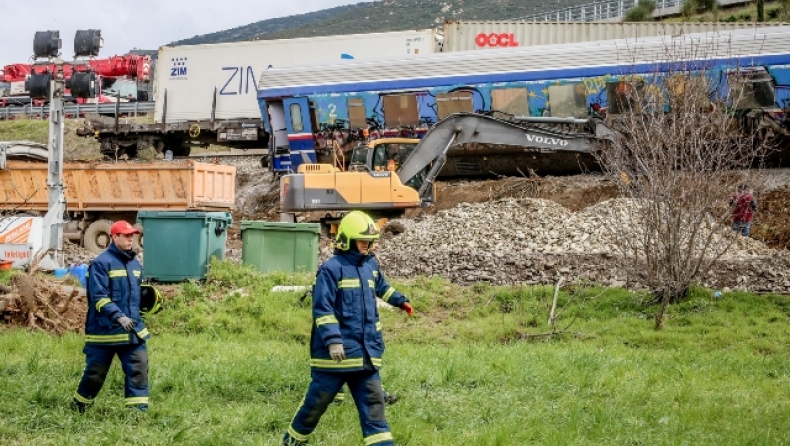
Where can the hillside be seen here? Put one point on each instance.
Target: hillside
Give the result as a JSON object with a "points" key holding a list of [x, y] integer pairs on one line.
{"points": [[271, 26], [380, 16]]}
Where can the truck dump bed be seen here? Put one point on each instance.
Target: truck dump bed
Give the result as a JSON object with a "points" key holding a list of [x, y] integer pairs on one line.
{"points": [[166, 186]]}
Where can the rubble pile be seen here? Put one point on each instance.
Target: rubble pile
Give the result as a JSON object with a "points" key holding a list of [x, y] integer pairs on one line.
{"points": [[537, 241], [42, 303]]}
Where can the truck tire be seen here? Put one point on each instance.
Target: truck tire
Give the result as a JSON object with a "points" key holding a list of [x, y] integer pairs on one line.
{"points": [[97, 236]]}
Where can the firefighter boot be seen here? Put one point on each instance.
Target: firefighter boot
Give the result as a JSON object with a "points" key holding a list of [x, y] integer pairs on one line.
{"points": [[77, 406]]}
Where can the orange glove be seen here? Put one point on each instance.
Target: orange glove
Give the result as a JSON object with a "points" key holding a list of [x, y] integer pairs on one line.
{"points": [[407, 308]]}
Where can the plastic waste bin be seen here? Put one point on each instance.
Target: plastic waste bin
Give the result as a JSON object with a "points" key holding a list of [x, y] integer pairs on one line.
{"points": [[79, 271], [178, 246], [276, 246]]}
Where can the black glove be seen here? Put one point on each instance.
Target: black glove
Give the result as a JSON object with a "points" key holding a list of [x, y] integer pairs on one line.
{"points": [[126, 323]]}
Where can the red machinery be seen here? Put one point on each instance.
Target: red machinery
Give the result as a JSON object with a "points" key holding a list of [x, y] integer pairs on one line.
{"points": [[108, 70]]}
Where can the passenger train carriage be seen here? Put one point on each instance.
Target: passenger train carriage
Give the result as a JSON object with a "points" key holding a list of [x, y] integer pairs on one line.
{"points": [[334, 106]]}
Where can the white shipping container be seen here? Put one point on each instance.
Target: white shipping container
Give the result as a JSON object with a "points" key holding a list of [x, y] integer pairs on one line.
{"points": [[191, 74], [485, 35]]}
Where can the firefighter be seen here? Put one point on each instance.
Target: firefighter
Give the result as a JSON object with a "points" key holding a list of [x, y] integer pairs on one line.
{"points": [[113, 325], [346, 344]]}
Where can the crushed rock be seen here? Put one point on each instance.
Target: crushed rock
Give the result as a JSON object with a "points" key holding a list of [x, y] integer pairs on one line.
{"points": [[536, 241]]}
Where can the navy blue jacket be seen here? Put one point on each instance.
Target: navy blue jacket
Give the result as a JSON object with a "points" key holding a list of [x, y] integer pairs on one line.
{"points": [[345, 311], [113, 281]]}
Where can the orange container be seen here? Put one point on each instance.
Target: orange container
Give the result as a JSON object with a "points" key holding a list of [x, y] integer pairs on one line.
{"points": [[5, 265]]}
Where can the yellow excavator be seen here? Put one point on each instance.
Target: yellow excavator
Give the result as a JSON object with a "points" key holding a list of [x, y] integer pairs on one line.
{"points": [[373, 183]]}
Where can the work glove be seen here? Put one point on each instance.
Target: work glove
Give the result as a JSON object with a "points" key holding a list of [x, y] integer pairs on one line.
{"points": [[407, 308], [126, 323], [336, 352]]}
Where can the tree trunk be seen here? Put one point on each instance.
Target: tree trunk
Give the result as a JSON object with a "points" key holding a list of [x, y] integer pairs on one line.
{"points": [[760, 10]]}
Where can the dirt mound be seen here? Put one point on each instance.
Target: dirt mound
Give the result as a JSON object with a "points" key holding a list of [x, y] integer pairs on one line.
{"points": [[772, 220], [573, 192]]}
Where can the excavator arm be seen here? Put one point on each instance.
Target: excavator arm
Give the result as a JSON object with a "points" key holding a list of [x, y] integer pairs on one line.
{"points": [[466, 128]]}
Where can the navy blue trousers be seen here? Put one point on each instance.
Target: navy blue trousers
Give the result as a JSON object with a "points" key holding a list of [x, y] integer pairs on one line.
{"points": [[365, 388], [134, 362]]}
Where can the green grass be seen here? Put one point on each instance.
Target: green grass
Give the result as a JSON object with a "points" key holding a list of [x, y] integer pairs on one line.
{"points": [[37, 130], [229, 366]]}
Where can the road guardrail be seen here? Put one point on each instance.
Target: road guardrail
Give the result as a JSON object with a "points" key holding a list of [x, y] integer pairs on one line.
{"points": [[125, 108]]}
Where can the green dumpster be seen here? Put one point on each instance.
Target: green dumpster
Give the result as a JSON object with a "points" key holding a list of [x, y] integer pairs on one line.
{"points": [[275, 246], [179, 245]]}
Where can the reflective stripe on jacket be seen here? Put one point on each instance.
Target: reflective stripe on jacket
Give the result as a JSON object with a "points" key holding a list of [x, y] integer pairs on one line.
{"points": [[345, 311], [113, 287]]}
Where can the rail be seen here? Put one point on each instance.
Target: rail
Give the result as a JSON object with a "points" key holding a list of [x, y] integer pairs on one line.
{"points": [[610, 10], [126, 108]]}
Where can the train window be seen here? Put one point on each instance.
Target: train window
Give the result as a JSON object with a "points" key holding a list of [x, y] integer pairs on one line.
{"points": [[624, 96], [456, 102], [568, 101], [296, 118], [513, 101], [751, 89], [401, 110], [356, 113]]}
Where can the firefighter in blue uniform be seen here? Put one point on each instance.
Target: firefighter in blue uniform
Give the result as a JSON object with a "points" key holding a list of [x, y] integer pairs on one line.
{"points": [[346, 344], [113, 325]]}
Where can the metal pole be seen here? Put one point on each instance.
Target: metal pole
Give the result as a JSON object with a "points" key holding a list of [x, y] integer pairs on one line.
{"points": [[53, 220]]}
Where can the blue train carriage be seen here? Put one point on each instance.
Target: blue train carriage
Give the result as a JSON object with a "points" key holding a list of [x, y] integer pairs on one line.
{"points": [[339, 104]]}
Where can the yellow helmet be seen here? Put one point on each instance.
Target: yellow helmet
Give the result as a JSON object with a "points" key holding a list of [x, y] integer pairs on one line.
{"points": [[355, 225]]}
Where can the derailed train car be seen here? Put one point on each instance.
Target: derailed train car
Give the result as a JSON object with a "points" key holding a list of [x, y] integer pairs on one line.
{"points": [[318, 108]]}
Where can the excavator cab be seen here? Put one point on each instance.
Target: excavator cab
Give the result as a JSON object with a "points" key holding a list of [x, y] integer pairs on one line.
{"points": [[385, 154]]}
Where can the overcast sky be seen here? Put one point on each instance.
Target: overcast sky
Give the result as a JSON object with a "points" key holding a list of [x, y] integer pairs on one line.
{"points": [[127, 24]]}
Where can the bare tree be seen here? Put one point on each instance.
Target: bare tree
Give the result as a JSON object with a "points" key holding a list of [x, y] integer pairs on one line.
{"points": [[682, 152]]}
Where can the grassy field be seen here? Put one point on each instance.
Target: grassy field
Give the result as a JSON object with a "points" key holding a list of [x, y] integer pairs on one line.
{"points": [[229, 366]]}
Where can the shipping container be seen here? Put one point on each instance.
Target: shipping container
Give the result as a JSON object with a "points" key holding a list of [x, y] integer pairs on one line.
{"points": [[96, 194], [218, 81], [486, 35]]}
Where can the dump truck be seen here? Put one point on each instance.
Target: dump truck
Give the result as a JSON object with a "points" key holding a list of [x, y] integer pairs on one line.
{"points": [[98, 194]]}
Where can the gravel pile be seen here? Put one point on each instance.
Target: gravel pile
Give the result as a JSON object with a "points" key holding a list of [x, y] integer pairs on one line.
{"points": [[537, 241], [535, 226]]}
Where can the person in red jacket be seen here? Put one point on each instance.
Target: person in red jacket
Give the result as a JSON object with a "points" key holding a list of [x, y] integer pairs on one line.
{"points": [[743, 207]]}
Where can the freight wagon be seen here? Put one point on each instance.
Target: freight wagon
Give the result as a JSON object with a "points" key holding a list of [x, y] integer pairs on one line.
{"points": [[207, 94]]}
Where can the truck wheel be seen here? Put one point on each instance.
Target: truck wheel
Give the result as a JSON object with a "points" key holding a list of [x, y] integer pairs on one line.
{"points": [[97, 236]]}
